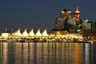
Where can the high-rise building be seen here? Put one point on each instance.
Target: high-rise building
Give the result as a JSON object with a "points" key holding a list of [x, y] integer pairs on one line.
{"points": [[68, 22], [77, 13]]}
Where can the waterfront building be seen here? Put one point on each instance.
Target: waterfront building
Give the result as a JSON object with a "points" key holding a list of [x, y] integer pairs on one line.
{"points": [[25, 33], [68, 22], [38, 33], [63, 45], [4, 35], [31, 33], [44, 33], [77, 13], [94, 27], [87, 27], [17, 33]]}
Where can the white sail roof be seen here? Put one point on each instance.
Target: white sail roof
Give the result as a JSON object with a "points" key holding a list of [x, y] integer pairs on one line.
{"points": [[17, 33], [38, 33], [44, 33], [25, 33], [31, 33]]}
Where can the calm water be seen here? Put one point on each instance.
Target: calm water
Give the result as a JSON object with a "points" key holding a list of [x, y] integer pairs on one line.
{"points": [[44, 53]]}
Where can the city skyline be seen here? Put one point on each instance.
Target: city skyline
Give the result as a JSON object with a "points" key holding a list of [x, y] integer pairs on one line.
{"points": [[40, 14]]}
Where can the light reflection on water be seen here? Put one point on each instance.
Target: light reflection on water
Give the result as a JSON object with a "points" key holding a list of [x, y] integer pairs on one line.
{"points": [[5, 53], [43, 53]]}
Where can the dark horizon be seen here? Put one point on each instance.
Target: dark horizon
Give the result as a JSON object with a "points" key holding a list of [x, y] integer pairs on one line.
{"points": [[40, 14]]}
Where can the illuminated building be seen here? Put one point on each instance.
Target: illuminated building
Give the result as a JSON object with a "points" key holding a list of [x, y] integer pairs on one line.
{"points": [[68, 22], [66, 26], [86, 27], [17, 33], [44, 33], [67, 31], [31, 33], [25, 33], [77, 13], [5, 35], [38, 33], [69, 14]]}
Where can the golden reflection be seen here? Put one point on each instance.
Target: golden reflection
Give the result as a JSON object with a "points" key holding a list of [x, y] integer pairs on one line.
{"points": [[25, 53], [46, 53], [5, 53], [77, 53]]}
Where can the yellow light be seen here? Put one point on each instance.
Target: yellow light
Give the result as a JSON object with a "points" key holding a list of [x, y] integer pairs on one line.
{"points": [[5, 35], [31, 33], [45, 33], [25, 33], [17, 33], [38, 33]]}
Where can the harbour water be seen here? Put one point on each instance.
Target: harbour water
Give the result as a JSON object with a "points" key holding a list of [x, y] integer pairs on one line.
{"points": [[44, 53]]}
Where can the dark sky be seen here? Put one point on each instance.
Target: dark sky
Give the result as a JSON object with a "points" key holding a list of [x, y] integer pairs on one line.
{"points": [[40, 13]]}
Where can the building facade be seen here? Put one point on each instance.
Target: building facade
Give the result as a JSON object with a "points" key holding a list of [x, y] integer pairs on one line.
{"points": [[68, 22]]}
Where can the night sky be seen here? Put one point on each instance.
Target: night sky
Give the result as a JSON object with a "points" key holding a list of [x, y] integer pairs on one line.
{"points": [[40, 13]]}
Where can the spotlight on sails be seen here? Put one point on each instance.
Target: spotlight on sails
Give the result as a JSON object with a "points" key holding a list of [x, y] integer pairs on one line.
{"points": [[38, 33], [31, 33], [44, 33], [17, 33], [25, 33]]}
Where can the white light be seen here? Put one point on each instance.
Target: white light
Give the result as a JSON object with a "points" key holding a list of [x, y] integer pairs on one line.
{"points": [[68, 11], [4, 34], [25, 33], [77, 11], [31, 33], [62, 12], [38, 33], [17, 33], [45, 33], [86, 20]]}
